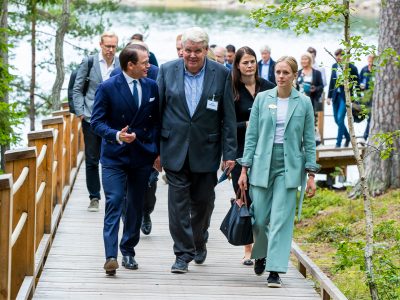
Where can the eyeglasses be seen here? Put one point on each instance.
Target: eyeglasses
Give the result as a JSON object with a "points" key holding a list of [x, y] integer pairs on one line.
{"points": [[110, 46]]}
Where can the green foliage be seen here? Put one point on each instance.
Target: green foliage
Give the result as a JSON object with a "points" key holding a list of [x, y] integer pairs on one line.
{"points": [[385, 143], [322, 200], [299, 16], [332, 233], [10, 118]]}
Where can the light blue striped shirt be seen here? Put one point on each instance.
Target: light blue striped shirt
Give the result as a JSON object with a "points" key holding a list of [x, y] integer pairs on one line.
{"points": [[194, 88]]}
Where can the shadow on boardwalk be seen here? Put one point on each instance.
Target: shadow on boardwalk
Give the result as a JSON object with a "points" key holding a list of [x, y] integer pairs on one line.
{"points": [[74, 268]]}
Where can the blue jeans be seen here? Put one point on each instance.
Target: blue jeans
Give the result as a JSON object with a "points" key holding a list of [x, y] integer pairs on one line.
{"points": [[92, 157], [339, 113]]}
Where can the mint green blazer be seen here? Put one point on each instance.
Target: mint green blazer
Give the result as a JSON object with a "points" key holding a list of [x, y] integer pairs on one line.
{"points": [[298, 145]]}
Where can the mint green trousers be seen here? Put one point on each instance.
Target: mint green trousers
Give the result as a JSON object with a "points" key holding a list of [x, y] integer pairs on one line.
{"points": [[273, 210]]}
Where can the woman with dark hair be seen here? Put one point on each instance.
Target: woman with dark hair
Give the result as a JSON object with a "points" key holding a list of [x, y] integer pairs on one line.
{"points": [[246, 85]]}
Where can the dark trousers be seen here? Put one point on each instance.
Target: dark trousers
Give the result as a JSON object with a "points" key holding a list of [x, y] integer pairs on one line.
{"points": [[339, 113], [120, 183], [92, 157], [191, 199], [150, 195]]}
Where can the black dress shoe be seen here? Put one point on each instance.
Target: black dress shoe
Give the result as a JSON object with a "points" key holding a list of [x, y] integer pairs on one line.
{"points": [[200, 255], [129, 262], [146, 224], [179, 267], [259, 266], [111, 265]]}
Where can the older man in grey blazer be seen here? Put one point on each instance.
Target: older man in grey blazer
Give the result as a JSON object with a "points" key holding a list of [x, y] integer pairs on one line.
{"points": [[198, 125], [104, 63]]}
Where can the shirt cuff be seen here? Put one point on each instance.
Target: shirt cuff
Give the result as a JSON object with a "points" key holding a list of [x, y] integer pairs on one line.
{"points": [[117, 138]]}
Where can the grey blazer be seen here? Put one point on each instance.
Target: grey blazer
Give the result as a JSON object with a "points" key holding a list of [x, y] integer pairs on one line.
{"points": [[84, 104], [208, 133]]}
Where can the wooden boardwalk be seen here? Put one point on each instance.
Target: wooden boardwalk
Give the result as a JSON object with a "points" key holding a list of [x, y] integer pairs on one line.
{"points": [[74, 267]]}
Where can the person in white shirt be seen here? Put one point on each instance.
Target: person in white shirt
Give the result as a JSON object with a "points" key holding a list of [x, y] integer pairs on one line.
{"points": [[104, 63]]}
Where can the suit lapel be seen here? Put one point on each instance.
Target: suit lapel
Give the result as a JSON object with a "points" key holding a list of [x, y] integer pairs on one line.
{"points": [[272, 107], [209, 75], [180, 79], [125, 92], [293, 101]]}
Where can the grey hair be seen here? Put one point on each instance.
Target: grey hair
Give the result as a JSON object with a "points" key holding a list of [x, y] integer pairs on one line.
{"points": [[265, 48], [196, 35]]}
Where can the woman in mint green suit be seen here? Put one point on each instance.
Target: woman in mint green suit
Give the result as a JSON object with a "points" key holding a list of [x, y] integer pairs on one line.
{"points": [[279, 151]]}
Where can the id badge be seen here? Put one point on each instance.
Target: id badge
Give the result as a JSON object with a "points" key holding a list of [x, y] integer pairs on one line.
{"points": [[212, 104]]}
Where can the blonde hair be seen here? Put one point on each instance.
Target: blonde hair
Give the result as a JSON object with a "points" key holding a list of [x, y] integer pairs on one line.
{"points": [[108, 34], [291, 61], [309, 56]]}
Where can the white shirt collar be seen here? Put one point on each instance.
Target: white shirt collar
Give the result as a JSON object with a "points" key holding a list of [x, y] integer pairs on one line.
{"points": [[101, 59], [129, 79]]}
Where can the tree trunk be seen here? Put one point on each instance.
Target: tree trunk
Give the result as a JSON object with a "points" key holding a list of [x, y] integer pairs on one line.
{"points": [[369, 228], [4, 58], [59, 55], [385, 174], [32, 110]]}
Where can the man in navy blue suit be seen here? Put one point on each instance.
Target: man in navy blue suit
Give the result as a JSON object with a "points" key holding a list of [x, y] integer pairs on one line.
{"points": [[126, 116]]}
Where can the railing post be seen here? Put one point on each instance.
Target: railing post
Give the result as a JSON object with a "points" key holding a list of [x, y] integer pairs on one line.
{"points": [[6, 200], [23, 202], [67, 143], [40, 139], [74, 141], [57, 124]]}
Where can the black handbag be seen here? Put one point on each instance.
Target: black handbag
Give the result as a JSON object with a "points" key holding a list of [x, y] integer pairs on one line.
{"points": [[236, 225]]}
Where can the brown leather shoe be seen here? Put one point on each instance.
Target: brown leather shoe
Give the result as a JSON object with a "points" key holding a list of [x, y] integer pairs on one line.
{"points": [[111, 266]]}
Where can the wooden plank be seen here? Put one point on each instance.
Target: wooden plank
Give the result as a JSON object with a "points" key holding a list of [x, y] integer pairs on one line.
{"points": [[74, 267]]}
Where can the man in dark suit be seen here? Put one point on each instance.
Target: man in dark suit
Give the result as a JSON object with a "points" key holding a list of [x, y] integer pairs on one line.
{"points": [[198, 124], [337, 96], [126, 116], [266, 65], [104, 63]]}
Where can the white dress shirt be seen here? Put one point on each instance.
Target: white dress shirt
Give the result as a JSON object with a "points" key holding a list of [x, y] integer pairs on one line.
{"points": [[104, 68]]}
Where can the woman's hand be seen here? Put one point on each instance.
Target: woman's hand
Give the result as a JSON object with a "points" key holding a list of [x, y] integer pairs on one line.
{"points": [[310, 187], [242, 182]]}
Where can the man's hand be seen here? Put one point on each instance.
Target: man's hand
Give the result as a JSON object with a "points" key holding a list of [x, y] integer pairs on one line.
{"points": [[328, 101], [126, 137], [157, 164], [230, 164], [310, 188]]}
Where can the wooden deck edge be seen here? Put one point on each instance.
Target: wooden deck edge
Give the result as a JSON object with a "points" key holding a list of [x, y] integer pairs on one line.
{"points": [[55, 219], [26, 288], [328, 289], [41, 253]]}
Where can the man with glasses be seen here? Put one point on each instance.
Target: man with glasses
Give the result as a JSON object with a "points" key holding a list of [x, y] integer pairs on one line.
{"points": [[103, 63], [126, 116], [198, 125]]}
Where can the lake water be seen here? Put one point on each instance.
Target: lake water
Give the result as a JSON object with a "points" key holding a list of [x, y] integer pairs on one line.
{"points": [[161, 26]]}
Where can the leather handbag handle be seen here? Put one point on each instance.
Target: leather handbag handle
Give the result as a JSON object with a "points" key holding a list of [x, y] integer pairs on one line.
{"points": [[241, 195]]}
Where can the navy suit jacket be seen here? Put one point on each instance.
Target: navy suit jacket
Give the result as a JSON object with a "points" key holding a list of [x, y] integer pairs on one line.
{"points": [[152, 72], [333, 90], [271, 71], [113, 109]]}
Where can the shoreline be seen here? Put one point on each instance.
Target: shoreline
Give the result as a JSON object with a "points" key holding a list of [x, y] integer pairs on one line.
{"points": [[362, 8]]}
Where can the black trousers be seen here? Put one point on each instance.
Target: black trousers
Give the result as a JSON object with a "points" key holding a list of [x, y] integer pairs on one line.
{"points": [[191, 199], [92, 158], [150, 195]]}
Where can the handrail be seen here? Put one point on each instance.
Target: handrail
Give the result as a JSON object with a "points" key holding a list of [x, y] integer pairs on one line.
{"points": [[18, 228], [64, 151], [18, 183], [328, 288], [40, 192], [72, 137], [55, 136], [41, 156]]}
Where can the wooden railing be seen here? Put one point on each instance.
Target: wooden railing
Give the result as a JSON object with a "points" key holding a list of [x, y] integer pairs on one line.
{"points": [[33, 193], [305, 264]]}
